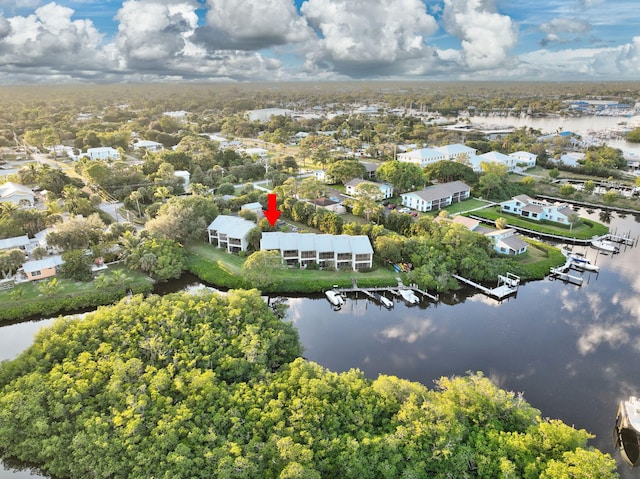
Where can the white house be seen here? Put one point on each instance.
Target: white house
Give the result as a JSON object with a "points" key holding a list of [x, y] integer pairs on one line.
{"points": [[339, 251], [422, 157], [537, 210], [103, 153], [496, 157], [18, 242], [255, 208], [457, 151], [16, 193], [185, 176], [265, 114], [370, 168], [230, 232], [386, 191], [147, 145], [525, 158], [437, 196], [505, 241]]}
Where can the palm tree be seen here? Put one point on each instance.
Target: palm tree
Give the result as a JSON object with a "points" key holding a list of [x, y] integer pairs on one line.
{"points": [[136, 196], [162, 192]]}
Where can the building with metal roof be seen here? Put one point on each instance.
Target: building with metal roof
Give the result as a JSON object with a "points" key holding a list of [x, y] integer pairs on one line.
{"points": [[230, 232]]}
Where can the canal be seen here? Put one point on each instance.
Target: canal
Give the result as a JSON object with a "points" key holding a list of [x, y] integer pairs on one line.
{"points": [[574, 351]]}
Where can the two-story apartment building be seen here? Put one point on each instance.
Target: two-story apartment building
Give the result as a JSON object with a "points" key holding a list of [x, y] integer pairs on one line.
{"points": [[339, 251], [436, 197], [230, 232], [537, 210]]}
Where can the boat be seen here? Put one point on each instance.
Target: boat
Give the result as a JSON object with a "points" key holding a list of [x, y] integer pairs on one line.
{"points": [[409, 296], [387, 303], [627, 431], [334, 297], [605, 245], [578, 260]]}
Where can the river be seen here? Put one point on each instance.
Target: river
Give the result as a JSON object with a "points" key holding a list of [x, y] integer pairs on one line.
{"points": [[581, 125], [573, 351]]}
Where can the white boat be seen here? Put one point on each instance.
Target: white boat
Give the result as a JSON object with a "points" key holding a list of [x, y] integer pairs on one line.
{"points": [[387, 303], [334, 297], [409, 296], [605, 245], [627, 431], [578, 261]]}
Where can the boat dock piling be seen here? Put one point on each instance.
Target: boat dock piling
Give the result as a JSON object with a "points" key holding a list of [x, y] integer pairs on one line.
{"points": [[562, 272], [368, 292], [507, 285], [625, 239]]}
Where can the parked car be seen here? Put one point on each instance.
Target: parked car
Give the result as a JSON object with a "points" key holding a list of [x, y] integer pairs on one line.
{"points": [[405, 210]]}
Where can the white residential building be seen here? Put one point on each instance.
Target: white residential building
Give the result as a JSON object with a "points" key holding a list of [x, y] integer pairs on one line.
{"points": [[537, 210], [339, 251], [525, 158], [422, 157], [18, 242], [496, 157], [437, 196], [103, 153], [457, 151], [16, 193], [505, 241], [230, 233], [386, 191], [148, 145]]}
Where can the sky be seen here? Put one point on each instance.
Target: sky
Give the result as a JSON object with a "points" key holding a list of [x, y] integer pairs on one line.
{"points": [[315, 40]]}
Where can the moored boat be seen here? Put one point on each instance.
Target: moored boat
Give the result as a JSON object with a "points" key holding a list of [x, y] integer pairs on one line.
{"points": [[409, 296], [334, 297], [627, 431], [605, 245], [387, 303]]}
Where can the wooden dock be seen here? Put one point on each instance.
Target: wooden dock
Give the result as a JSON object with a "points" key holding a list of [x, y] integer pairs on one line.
{"points": [[507, 285], [386, 289]]}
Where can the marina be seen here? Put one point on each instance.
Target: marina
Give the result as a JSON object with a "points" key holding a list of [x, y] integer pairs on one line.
{"points": [[410, 294]]}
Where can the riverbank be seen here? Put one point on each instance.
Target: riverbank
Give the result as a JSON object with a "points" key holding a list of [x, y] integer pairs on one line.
{"points": [[221, 269], [47, 298]]}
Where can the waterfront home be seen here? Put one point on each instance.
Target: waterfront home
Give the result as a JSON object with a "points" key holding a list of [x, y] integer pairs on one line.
{"points": [[496, 157], [505, 241], [255, 208], [230, 232], [525, 159], [436, 197], [16, 193], [537, 210], [457, 152], [42, 268], [386, 191], [339, 251]]}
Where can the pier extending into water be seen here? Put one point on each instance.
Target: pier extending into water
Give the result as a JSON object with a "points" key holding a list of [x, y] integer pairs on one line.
{"points": [[507, 285], [368, 292]]}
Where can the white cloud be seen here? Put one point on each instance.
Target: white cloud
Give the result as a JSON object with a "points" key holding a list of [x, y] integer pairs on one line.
{"points": [[360, 37], [557, 28], [252, 24], [152, 31], [485, 35], [48, 41]]}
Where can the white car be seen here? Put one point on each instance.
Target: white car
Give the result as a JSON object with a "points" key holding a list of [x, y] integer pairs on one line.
{"points": [[405, 210]]}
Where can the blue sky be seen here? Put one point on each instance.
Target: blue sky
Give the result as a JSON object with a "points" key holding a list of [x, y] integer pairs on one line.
{"points": [[263, 40]]}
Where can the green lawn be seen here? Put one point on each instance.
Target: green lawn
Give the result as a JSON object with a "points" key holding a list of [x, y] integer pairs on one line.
{"points": [[220, 268], [585, 230], [28, 299]]}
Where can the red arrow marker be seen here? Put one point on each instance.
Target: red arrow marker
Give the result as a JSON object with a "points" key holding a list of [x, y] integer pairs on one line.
{"points": [[272, 213]]}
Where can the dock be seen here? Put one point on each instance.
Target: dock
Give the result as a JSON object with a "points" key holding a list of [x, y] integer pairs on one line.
{"points": [[395, 291], [507, 285], [621, 239], [562, 273]]}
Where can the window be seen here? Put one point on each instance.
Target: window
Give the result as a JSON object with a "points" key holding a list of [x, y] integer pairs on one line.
{"points": [[344, 256], [363, 257], [36, 273], [290, 252], [326, 255]]}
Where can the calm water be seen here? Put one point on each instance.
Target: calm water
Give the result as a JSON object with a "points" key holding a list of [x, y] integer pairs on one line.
{"points": [[573, 351]]}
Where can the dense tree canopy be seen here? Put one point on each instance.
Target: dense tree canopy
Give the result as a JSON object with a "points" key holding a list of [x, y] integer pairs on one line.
{"points": [[203, 386], [403, 176]]}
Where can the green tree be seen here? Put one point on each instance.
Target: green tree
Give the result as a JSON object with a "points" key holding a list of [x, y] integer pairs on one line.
{"points": [[589, 186], [161, 258], [567, 189], [259, 268], [610, 197], [403, 176], [346, 170], [447, 171], [77, 265], [554, 173], [10, 261]]}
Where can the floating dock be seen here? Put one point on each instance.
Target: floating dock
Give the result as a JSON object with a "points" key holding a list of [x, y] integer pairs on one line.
{"points": [[562, 273], [507, 285], [374, 293]]}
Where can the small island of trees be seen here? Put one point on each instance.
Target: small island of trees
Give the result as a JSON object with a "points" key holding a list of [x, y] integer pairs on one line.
{"points": [[203, 385]]}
